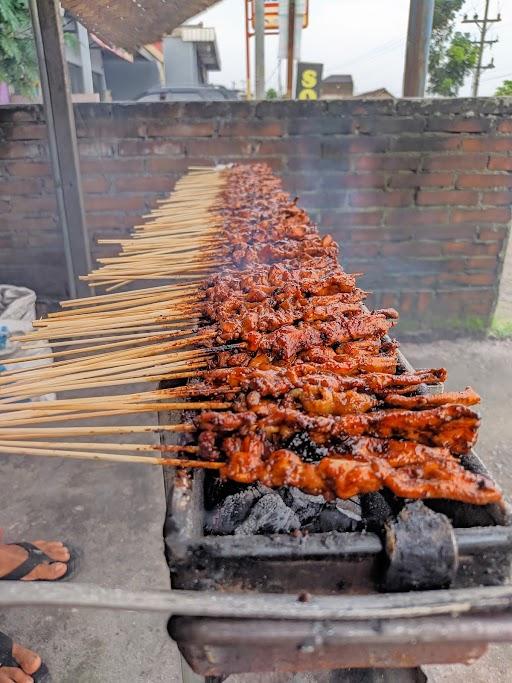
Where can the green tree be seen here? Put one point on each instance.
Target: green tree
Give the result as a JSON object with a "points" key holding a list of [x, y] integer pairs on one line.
{"points": [[18, 62], [505, 89], [452, 54], [271, 94]]}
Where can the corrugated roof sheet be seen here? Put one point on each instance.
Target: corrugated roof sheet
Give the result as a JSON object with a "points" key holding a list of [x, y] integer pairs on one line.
{"points": [[132, 23]]}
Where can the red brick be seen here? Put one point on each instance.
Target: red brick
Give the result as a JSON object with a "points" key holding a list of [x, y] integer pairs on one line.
{"points": [[135, 148], [446, 197], [95, 183], [421, 180], [481, 215], [411, 248], [386, 162], [253, 128], [28, 169], [458, 125], [487, 180], [105, 221], [492, 234], [34, 204], [369, 198], [427, 143], [499, 198], [348, 181], [121, 203], [456, 162], [96, 149], [331, 219], [505, 126], [173, 164], [481, 263], [20, 150], [114, 166], [416, 216], [182, 130], [424, 302], [500, 163], [221, 149], [28, 132], [16, 186], [471, 279], [487, 144], [140, 183]]}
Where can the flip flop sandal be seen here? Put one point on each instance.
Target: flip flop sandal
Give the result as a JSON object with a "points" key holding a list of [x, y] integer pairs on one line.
{"points": [[42, 675], [37, 557]]}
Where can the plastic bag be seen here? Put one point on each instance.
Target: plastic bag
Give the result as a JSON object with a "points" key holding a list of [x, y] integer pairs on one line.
{"points": [[17, 311]]}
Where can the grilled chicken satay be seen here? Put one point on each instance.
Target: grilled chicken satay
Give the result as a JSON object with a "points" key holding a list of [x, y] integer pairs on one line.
{"points": [[339, 475], [453, 426]]}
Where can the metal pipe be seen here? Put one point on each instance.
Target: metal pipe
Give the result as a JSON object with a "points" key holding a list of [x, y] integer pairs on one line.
{"points": [[419, 32], [351, 608], [291, 49], [247, 54], [259, 49]]}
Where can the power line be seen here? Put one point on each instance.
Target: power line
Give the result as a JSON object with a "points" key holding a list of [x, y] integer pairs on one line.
{"points": [[482, 25]]}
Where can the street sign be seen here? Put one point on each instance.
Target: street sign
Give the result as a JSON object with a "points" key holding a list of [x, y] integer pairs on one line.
{"points": [[309, 79], [272, 15]]}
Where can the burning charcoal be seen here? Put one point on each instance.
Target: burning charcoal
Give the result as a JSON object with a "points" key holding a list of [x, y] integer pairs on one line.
{"points": [[233, 510], [269, 515], [344, 515], [306, 507], [376, 511], [308, 449]]}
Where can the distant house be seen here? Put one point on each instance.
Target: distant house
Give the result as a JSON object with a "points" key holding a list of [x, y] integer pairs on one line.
{"points": [[379, 94], [337, 87], [190, 53]]}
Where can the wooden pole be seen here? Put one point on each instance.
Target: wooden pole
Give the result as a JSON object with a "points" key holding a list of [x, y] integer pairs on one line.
{"points": [[419, 33], [291, 49], [60, 121]]}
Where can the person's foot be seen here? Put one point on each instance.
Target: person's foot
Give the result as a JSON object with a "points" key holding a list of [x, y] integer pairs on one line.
{"points": [[12, 556], [29, 662]]}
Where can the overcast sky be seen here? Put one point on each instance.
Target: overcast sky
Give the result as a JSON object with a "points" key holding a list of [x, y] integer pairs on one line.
{"points": [[365, 38]]}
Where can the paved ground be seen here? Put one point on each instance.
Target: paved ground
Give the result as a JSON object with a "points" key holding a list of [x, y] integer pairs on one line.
{"points": [[115, 515]]}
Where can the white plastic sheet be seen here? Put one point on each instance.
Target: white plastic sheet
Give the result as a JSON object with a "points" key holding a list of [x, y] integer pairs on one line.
{"points": [[17, 311]]}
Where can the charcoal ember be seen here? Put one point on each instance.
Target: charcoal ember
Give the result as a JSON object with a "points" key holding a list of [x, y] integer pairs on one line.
{"points": [[305, 506], [376, 511], [302, 444], [233, 510], [343, 515], [269, 515]]}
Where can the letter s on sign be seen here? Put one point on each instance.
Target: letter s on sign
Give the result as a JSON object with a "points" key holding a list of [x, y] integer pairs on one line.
{"points": [[309, 79]]}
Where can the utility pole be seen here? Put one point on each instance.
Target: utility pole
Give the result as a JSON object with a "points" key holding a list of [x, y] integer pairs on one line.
{"points": [[482, 25], [291, 49], [259, 48], [419, 32]]}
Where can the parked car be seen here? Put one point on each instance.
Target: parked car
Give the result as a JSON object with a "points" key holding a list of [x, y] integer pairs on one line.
{"points": [[187, 93]]}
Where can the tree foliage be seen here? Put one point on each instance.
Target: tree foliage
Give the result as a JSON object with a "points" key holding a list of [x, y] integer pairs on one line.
{"points": [[505, 89], [18, 62], [452, 54]]}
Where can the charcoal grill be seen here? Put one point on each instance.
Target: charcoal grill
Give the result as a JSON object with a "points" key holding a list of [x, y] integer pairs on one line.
{"points": [[333, 563]]}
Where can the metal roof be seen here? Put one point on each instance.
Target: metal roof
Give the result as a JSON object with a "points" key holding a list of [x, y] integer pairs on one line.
{"points": [[129, 24]]}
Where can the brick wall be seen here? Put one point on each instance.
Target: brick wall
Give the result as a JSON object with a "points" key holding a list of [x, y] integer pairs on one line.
{"points": [[418, 193]]}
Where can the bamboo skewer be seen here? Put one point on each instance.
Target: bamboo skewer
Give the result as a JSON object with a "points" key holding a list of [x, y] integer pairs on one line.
{"points": [[57, 432], [101, 446], [111, 457]]}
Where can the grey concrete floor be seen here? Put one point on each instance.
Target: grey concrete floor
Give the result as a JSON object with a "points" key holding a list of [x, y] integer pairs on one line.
{"points": [[115, 514]]}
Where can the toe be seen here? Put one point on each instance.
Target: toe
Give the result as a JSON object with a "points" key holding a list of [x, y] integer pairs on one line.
{"points": [[27, 659], [20, 676], [47, 572]]}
